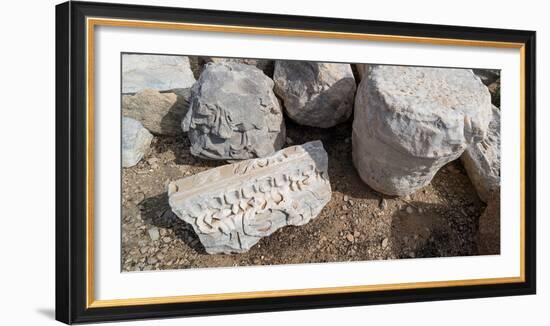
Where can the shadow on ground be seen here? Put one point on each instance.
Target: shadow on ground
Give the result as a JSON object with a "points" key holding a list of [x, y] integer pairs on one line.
{"points": [[156, 211]]}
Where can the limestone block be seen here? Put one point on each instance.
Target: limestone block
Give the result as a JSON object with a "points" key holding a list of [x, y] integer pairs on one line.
{"points": [[135, 141], [232, 207], [482, 160], [410, 121], [234, 114], [315, 94]]}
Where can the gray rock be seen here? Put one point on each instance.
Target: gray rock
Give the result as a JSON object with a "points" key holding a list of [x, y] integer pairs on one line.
{"points": [[160, 113], [494, 89], [232, 207], [264, 65], [482, 160], [315, 94], [135, 141], [234, 114], [160, 72], [487, 76], [488, 236], [383, 204], [410, 121]]}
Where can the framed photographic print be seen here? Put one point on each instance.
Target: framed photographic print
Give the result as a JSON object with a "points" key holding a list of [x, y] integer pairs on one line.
{"points": [[212, 162]]}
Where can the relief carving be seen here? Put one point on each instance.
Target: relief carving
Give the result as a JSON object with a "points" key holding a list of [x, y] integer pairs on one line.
{"points": [[233, 206]]}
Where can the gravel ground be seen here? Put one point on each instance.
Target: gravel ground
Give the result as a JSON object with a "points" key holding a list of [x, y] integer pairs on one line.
{"points": [[358, 223]]}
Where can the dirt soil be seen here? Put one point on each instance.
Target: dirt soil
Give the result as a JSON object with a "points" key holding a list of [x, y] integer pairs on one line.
{"points": [[358, 223]]}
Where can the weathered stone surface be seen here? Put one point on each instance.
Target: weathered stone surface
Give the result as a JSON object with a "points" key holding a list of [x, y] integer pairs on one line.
{"points": [[315, 94], [410, 121], [160, 72], [135, 141], [160, 113], [234, 114], [482, 160], [488, 237], [491, 79], [487, 76], [361, 69], [494, 89], [264, 65], [232, 207]]}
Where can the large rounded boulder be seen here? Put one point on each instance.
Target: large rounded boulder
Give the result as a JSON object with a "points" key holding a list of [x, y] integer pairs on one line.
{"points": [[234, 114], [410, 121], [315, 94]]}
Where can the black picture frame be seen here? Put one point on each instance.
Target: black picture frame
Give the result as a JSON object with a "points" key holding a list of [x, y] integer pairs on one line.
{"points": [[71, 156]]}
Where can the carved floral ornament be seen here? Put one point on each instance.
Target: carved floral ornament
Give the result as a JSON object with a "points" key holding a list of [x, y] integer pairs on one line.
{"points": [[231, 207]]}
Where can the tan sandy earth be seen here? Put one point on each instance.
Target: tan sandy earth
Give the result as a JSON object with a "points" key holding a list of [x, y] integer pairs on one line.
{"points": [[357, 224]]}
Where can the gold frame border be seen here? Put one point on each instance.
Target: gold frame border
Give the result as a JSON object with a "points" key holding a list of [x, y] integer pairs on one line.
{"points": [[91, 22]]}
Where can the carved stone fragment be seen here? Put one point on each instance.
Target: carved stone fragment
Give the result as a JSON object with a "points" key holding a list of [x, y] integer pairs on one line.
{"points": [[160, 113], [232, 207], [410, 121], [233, 114]]}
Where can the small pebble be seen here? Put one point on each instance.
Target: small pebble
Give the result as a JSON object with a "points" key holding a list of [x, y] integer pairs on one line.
{"points": [[385, 243], [345, 207], [166, 239], [349, 237], [409, 210], [154, 233], [420, 210], [346, 198]]}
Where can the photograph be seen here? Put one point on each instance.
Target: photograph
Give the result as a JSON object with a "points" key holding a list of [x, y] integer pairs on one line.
{"points": [[231, 162], [216, 161]]}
